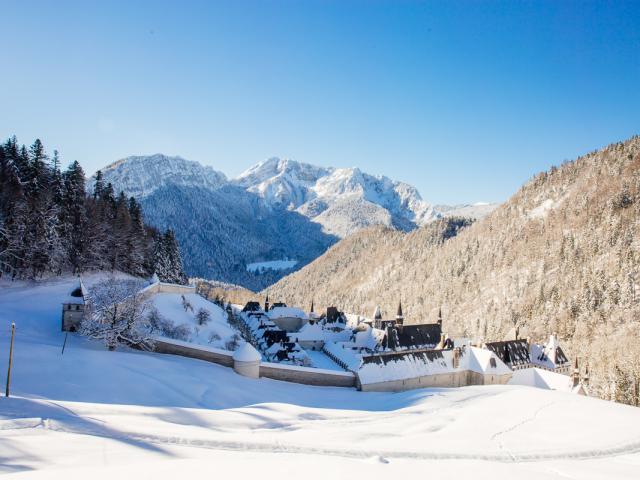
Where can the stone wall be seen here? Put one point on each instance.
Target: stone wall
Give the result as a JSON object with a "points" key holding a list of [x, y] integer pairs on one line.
{"points": [[446, 380], [185, 349], [72, 315], [275, 371], [307, 376], [160, 287]]}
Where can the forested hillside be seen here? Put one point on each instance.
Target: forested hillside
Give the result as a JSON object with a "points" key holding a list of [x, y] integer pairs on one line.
{"points": [[49, 225], [562, 255]]}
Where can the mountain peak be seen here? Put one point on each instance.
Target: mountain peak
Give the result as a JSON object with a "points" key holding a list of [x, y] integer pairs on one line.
{"points": [[141, 175]]}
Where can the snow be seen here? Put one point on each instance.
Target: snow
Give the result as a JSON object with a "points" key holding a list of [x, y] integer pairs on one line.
{"points": [[271, 265], [92, 413], [342, 200], [413, 365], [140, 176], [544, 207], [537, 377], [216, 332], [286, 312], [320, 361], [476, 210], [345, 352], [317, 332], [246, 353]]}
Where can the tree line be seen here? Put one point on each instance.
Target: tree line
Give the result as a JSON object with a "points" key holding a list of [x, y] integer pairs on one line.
{"points": [[50, 224]]}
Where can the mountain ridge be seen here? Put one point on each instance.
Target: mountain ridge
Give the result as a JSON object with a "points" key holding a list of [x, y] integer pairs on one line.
{"points": [[271, 210]]}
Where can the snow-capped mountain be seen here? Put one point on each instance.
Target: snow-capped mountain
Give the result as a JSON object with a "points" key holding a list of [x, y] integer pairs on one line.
{"points": [[278, 209], [140, 176], [342, 200]]}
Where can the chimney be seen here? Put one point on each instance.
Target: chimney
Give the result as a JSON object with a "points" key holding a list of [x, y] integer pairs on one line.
{"points": [[456, 357]]}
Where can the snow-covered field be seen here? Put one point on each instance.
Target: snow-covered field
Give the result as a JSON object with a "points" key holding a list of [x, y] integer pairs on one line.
{"points": [[215, 332], [271, 265], [91, 412]]}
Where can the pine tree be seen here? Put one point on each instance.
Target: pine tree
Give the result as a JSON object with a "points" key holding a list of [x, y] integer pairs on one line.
{"points": [[74, 216], [176, 271], [98, 186], [48, 223]]}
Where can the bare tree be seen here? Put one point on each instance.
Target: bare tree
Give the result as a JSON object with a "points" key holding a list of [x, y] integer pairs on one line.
{"points": [[116, 314]]}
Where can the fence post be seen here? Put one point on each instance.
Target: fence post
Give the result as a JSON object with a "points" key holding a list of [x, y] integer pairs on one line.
{"points": [[13, 331]]}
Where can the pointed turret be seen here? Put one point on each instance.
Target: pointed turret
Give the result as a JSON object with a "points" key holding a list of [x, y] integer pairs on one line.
{"points": [[377, 313], [399, 315], [585, 379], [576, 374]]}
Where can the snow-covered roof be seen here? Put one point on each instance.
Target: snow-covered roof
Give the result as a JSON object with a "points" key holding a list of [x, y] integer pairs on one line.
{"points": [[286, 312], [369, 338], [479, 360], [77, 295], [317, 332], [549, 355], [513, 352], [413, 364], [246, 353]]}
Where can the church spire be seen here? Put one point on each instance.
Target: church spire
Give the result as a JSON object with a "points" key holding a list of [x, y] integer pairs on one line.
{"points": [[266, 303], [576, 374], [399, 315], [311, 311], [440, 316]]}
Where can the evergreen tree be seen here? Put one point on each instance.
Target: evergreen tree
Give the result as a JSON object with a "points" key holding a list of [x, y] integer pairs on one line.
{"points": [[49, 225], [98, 186], [74, 216]]}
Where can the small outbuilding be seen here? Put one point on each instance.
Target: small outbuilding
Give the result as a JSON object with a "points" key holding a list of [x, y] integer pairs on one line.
{"points": [[73, 308]]}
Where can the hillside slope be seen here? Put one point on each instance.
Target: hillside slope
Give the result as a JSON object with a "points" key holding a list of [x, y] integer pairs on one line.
{"points": [[221, 231], [562, 255]]}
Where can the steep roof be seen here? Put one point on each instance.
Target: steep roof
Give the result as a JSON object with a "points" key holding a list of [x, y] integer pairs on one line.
{"points": [[418, 363], [511, 352], [251, 307], [412, 336]]}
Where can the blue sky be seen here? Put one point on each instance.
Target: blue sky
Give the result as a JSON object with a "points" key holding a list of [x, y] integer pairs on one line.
{"points": [[465, 100]]}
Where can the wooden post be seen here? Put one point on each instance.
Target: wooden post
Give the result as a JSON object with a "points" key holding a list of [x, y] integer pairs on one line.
{"points": [[13, 331]]}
